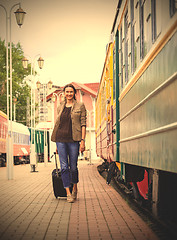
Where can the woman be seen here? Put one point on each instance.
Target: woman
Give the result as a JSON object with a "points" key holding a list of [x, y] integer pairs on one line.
{"points": [[69, 134]]}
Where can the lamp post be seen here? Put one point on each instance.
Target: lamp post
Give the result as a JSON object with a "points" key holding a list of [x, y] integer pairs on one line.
{"points": [[15, 102], [19, 18], [33, 161], [54, 96], [45, 86]]}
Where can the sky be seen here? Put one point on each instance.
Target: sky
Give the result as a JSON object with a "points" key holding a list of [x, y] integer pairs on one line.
{"points": [[70, 35]]}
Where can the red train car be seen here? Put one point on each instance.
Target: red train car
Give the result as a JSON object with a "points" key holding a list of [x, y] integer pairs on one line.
{"points": [[3, 134], [21, 141]]}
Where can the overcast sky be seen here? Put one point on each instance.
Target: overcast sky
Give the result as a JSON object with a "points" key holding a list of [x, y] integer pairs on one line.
{"points": [[70, 35]]}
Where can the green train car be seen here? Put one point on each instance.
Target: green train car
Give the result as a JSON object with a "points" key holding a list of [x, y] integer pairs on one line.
{"points": [[144, 93]]}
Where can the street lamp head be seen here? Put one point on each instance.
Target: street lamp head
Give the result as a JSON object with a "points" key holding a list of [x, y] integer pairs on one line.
{"points": [[50, 84], [53, 98], [25, 62], [15, 100], [38, 84], [40, 62], [20, 14]]}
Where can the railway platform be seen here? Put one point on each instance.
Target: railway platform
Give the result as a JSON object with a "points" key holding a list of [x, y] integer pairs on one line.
{"points": [[29, 210]]}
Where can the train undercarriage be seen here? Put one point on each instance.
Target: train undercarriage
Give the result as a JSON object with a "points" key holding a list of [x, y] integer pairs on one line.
{"points": [[152, 189]]}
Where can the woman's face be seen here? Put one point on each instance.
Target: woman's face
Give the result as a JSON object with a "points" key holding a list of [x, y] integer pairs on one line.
{"points": [[69, 93]]}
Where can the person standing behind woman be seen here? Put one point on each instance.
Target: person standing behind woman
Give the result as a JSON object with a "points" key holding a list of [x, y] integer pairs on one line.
{"points": [[69, 134]]}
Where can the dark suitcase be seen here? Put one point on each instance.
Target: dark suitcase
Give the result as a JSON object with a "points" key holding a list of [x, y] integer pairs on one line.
{"points": [[58, 189]]}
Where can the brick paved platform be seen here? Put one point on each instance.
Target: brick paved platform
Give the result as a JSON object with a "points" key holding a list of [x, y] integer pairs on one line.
{"points": [[29, 210]]}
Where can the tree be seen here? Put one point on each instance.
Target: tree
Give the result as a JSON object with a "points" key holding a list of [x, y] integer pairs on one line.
{"points": [[20, 89]]}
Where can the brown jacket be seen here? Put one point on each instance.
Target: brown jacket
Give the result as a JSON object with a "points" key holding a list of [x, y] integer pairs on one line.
{"points": [[78, 118]]}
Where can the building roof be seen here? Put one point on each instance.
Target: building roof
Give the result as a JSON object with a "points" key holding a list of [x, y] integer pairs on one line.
{"points": [[93, 86], [91, 89]]}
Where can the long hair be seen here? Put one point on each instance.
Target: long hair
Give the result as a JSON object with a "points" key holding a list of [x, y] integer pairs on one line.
{"points": [[70, 85]]}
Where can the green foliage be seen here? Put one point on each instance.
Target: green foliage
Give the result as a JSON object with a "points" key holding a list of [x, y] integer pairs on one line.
{"points": [[19, 86]]}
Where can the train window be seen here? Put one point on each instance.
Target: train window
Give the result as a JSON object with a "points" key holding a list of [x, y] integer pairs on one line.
{"points": [[147, 27], [132, 36], [137, 34], [141, 11], [121, 58], [24, 139], [156, 18], [126, 45], [153, 13], [13, 134], [17, 137], [173, 7], [103, 99], [129, 41], [3, 131], [136, 22]]}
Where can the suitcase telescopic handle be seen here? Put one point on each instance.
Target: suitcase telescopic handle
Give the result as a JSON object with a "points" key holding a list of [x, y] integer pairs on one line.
{"points": [[56, 164]]}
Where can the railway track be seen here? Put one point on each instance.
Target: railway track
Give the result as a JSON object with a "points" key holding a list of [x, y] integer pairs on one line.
{"points": [[164, 230]]}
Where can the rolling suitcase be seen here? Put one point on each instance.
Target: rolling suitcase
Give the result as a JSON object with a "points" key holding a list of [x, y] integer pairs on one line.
{"points": [[58, 189]]}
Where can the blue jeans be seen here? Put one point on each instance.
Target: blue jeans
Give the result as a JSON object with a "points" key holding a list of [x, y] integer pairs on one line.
{"points": [[68, 155]]}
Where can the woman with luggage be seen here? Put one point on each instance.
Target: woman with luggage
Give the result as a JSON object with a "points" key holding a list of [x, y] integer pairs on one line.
{"points": [[69, 134]]}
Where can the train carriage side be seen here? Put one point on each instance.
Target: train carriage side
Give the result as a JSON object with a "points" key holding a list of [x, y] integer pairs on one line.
{"points": [[97, 126], [104, 109], [146, 36], [21, 143], [101, 139], [110, 107], [3, 135]]}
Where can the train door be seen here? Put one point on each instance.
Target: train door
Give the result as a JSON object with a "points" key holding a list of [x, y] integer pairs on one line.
{"points": [[116, 84], [114, 107], [111, 136], [108, 128], [110, 109]]}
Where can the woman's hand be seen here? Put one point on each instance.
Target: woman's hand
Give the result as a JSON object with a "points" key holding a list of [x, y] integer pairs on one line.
{"points": [[82, 146]]}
